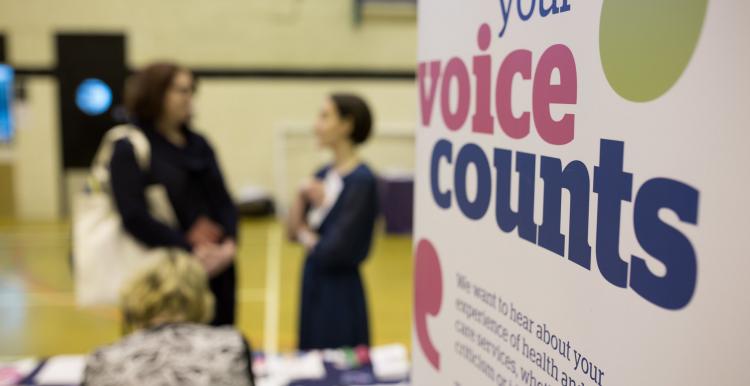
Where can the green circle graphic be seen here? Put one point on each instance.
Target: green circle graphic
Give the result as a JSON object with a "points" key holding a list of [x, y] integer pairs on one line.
{"points": [[645, 45]]}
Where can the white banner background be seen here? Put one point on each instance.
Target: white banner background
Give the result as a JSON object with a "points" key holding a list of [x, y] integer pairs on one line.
{"points": [[695, 133]]}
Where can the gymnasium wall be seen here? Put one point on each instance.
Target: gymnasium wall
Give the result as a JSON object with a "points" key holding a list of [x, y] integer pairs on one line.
{"points": [[242, 114]]}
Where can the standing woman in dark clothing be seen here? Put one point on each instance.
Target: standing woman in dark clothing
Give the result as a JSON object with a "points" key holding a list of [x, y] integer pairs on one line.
{"points": [[333, 216], [159, 100]]}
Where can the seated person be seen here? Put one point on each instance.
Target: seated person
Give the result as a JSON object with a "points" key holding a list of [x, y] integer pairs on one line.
{"points": [[164, 309]]}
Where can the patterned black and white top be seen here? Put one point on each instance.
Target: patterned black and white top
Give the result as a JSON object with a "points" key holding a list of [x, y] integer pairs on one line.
{"points": [[171, 355]]}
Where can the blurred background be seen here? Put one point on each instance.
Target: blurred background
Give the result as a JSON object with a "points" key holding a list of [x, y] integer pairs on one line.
{"points": [[264, 67]]}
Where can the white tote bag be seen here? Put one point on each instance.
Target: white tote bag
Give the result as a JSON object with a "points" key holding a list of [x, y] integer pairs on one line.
{"points": [[105, 255]]}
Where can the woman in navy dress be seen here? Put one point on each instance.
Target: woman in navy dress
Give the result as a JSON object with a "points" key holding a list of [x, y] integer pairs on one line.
{"points": [[159, 101], [333, 217]]}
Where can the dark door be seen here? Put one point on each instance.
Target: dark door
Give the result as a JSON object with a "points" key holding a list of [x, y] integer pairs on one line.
{"points": [[92, 72]]}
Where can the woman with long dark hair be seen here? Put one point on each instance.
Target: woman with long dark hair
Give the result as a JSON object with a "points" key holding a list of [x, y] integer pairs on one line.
{"points": [[159, 101]]}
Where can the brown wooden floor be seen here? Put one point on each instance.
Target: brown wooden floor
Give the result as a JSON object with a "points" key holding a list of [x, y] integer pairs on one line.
{"points": [[38, 316]]}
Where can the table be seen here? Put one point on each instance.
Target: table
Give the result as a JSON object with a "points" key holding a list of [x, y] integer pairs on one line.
{"points": [[384, 365]]}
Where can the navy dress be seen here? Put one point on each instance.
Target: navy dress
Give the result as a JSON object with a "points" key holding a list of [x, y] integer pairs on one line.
{"points": [[333, 307], [195, 187]]}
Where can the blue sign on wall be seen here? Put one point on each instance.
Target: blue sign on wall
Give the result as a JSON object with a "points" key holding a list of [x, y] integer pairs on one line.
{"points": [[93, 97], [6, 103]]}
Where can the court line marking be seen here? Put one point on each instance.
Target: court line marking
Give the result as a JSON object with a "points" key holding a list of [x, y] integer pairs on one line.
{"points": [[271, 308], [13, 298], [36, 299]]}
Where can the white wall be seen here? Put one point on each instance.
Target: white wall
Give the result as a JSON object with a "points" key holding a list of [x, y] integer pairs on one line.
{"points": [[37, 170], [241, 119], [234, 33], [240, 116]]}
